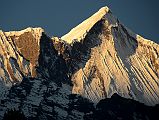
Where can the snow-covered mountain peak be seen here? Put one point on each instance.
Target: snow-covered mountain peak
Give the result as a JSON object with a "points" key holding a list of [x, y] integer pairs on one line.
{"points": [[82, 29], [109, 58]]}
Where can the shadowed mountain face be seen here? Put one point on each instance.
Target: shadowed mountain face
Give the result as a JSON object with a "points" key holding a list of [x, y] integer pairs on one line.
{"points": [[62, 78], [118, 108]]}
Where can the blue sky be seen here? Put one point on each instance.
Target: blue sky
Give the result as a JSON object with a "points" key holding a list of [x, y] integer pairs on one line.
{"points": [[57, 17]]}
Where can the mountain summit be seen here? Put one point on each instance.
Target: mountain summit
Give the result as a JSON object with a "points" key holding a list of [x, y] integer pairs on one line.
{"points": [[112, 59], [80, 31], [61, 78]]}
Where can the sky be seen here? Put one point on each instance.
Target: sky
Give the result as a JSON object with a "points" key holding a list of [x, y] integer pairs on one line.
{"points": [[58, 17]]}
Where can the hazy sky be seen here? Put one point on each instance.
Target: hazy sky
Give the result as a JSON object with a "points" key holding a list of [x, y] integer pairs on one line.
{"points": [[57, 17]]}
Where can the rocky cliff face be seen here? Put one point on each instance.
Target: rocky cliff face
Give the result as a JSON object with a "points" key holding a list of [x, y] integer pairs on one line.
{"points": [[19, 54], [61, 78], [35, 78]]}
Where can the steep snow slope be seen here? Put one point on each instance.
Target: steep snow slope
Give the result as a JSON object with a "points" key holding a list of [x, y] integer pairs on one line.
{"points": [[112, 59], [80, 31]]}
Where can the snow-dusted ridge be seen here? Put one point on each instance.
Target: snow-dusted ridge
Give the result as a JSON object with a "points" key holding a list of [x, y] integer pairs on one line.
{"points": [[36, 32], [139, 38], [29, 29]]}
